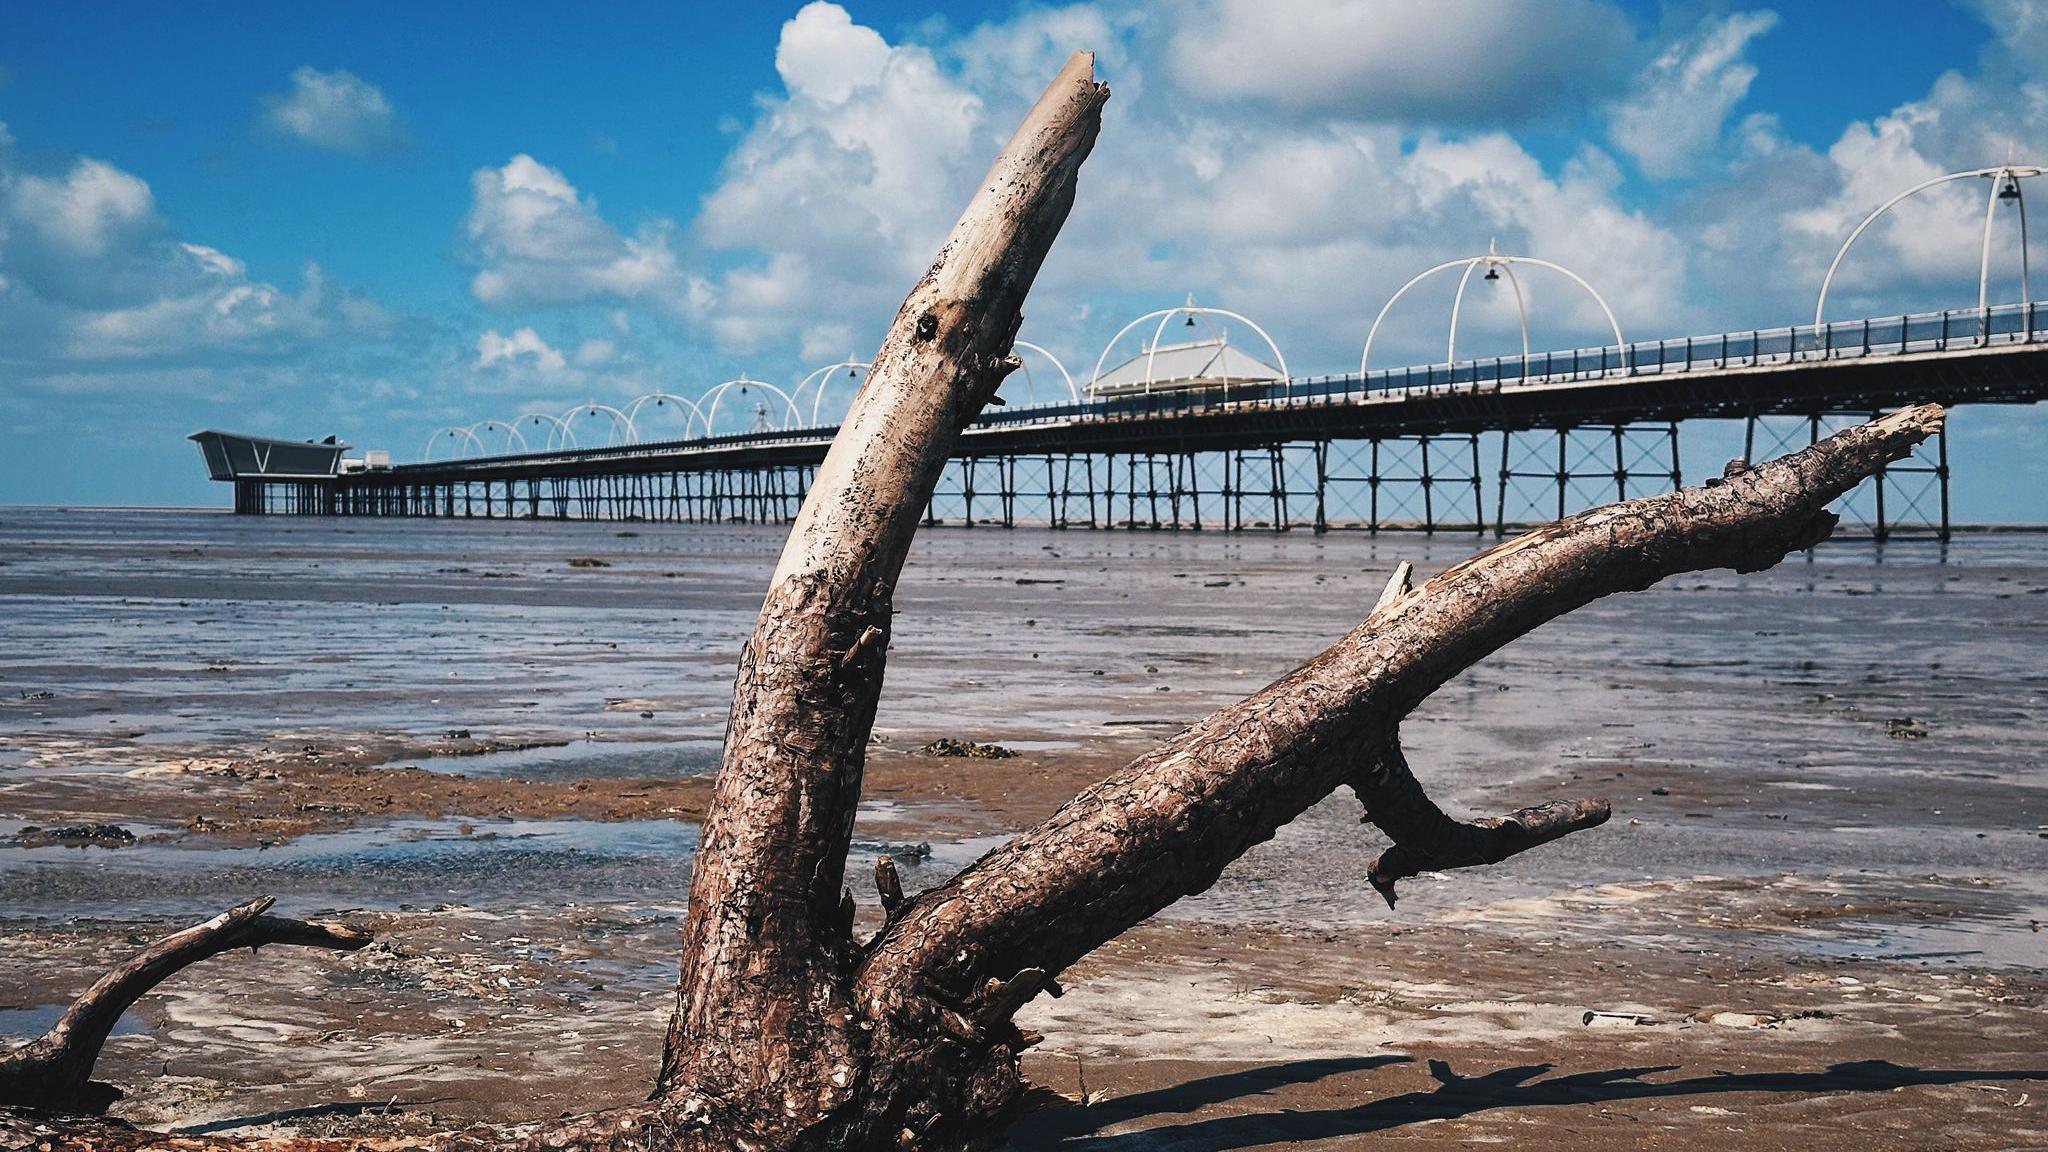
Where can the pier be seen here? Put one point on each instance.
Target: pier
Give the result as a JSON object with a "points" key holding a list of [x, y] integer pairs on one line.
{"points": [[1206, 434], [1390, 449]]}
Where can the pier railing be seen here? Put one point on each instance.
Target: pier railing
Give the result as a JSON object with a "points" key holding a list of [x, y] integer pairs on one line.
{"points": [[1924, 332], [1904, 335]]}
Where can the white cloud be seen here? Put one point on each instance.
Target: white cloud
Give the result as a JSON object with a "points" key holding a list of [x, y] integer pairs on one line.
{"points": [[2022, 28], [1574, 220], [87, 211], [337, 111], [824, 56], [594, 352], [524, 345], [842, 189], [541, 243], [1672, 120], [1441, 61], [98, 294]]}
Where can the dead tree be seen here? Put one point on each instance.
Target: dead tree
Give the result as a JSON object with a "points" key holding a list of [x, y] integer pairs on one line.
{"points": [[789, 1031]]}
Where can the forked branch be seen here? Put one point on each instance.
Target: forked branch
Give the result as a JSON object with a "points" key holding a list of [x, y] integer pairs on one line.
{"points": [[54, 1071], [1167, 826], [1426, 840]]}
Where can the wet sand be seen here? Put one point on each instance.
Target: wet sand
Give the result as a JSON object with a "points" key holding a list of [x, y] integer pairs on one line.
{"points": [[1815, 920]]}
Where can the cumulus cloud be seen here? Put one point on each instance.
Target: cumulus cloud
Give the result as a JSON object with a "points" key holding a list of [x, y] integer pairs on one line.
{"points": [[1672, 120], [846, 185], [86, 211], [824, 56], [93, 279], [523, 346], [542, 243], [337, 111], [1442, 61], [2022, 28]]}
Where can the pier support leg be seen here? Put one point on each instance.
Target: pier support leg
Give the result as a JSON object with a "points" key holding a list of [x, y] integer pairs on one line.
{"points": [[1428, 492], [1322, 451]]}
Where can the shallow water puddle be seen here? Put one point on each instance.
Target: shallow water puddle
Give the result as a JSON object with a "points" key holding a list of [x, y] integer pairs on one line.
{"points": [[36, 1019], [397, 865]]}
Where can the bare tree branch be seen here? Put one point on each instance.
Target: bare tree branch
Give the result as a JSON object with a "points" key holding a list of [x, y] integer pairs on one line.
{"points": [[1168, 825], [55, 1069]]}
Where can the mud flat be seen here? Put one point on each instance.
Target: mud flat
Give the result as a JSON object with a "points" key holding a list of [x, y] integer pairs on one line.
{"points": [[1815, 921]]}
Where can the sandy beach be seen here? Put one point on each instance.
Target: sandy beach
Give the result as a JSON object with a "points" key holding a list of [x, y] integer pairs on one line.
{"points": [[1814, 921]]}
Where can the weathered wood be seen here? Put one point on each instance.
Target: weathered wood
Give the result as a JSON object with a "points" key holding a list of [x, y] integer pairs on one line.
{"points": [[764, 1040], [888, 883], [1167, 826], [54, 1071], [1426, 840]]}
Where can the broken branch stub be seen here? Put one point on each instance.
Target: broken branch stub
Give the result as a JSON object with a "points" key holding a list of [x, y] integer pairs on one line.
{"points": [[1426, 840]]}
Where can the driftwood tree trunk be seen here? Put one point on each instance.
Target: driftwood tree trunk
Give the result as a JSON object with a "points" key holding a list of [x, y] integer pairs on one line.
{"points": [[790, 1033], [766, 1038]]}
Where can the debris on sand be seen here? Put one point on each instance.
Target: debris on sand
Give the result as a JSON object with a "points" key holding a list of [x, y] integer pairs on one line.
{"points": [[947, 746], [588, 562], [75, 836], [1905, 728], [206, 766]]}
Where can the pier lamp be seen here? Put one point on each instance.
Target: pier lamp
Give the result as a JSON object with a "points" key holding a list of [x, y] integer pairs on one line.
{"points": [[2005, 189], [1498, 266]]}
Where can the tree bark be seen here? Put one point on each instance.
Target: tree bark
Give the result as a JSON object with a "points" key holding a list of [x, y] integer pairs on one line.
{"points": [[764, 1041]]}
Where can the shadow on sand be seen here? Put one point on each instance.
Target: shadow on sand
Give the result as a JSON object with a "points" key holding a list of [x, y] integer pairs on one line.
{"points": [[1073, 1129]]}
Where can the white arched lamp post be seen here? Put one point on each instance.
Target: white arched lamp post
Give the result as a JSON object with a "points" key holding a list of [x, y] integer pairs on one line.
{"points": [[692, 415], [817, 380], [458, 434], [620, 425], [710, 401], [559, 433], [1031, 390], [512, 435], [1496, 265], [1189, 310], [2005, 185]]}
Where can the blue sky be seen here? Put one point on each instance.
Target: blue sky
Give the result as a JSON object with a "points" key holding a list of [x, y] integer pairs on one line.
{"points": [[378, 220]]}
